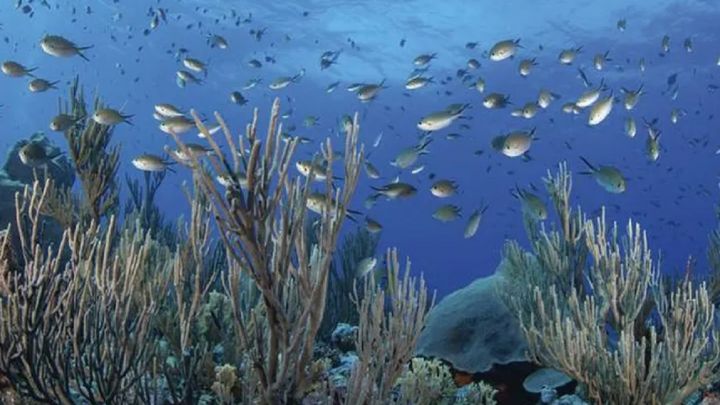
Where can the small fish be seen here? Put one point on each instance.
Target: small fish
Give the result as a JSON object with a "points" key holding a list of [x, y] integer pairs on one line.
{"points": [[150, 163], [630, 127], [109, 116], [443, 188], [504, 49], [284, 81], [195, 65], [41, 85], [652, 146], [58, 46], [632, 97], [600, 59], [168, 110], [688, 45], [63, 122], [237, 98], [14, 69], [251, 83], [408, 156], [371, 171], [424, 59], [368, 92], [372, 225], [600, 110], [418, 82], [531, 204], [496, 101], [396, 190], [186, 77], [34, 154], [331, 87], [608, 177], [418, 169], [583, 77], [447, 213], [480, 85], [439, 120], [177, 125], [473, 64], [517, 143], [473, 222], [526, 66], [376, 143], [665, 45], [365, 267], [546, 97], [217, 41], [621, 24], [567, 56]]}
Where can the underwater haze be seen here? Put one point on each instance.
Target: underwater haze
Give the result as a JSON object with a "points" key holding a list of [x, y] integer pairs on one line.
{"points": [[493, 143], [133, 67]]}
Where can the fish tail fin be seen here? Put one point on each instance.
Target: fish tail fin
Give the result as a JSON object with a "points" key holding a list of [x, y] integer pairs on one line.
{"points": [[588, 164]]}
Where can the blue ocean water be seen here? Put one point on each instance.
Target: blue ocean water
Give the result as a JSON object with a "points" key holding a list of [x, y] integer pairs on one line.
{"points": [[673, 198]]}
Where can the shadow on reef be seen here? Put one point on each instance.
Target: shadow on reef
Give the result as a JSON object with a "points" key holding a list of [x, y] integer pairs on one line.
{"points": [[243, 302]]}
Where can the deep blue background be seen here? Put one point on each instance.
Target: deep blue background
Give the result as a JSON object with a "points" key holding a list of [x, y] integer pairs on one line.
{"points": [[673, 198]]}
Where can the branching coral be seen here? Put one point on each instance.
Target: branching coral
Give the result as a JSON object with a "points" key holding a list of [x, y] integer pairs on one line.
{"points": [[386, 340], [78, 328], [596, 323], [96, 163], [262, 227]]}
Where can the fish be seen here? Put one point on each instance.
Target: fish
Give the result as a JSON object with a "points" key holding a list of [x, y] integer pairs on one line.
{"points": [[418, 82], [526, 66], [371, 171], [447, 213], [517, 143], [396, 190], [168, 110], [504, 49], [408, 156], [63, 122], [34, 154], [664, 45], [424, 59], [177, 125], [251, 84], [372, 225], [473, 222], [331, 87], [194, 65], [444, 188], [480, 85], [599, 60], [365, 267], [496, 101], [217, 41], [632, 97], [630, 127], [237, 98], [439, 120], [186, 77], [583, 77], [608, 177], [61, 47], [284, 81], [545, 97], [621, 24], [531, 204], [14, 69], [150, 163], [316, 168], [600, 110], [368, 92], [41, 85], [567, 56], [589, 97], [473, 64], [110, 116], [652, 146]]}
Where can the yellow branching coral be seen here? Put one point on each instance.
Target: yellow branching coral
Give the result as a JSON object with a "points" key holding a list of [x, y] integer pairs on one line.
{"points": [[427, 382], [594, 322], [261, 221]]}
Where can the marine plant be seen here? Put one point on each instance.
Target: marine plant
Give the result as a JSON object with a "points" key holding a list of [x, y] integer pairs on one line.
{"points": [[226, 308], [591, 304]]}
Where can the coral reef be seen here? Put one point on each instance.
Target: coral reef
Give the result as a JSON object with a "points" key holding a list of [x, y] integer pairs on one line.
{"points": [[473, 330], [614, 326], [224, 307]]}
